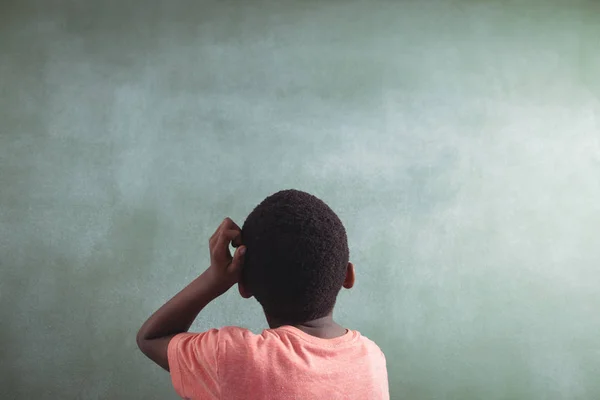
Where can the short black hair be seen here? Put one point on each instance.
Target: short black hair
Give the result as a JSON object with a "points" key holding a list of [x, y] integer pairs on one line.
{"points": [[296, 256]]}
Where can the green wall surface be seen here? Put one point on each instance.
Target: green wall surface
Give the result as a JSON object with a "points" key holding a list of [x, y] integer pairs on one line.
{"points": [[458, 141]]}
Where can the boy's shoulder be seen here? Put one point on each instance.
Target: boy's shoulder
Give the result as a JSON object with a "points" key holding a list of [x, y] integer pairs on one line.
{"points": [[237, 334]]}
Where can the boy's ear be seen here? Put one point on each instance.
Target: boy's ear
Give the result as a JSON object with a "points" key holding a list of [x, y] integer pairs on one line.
{"points": [[350, 277], [245, 293]]}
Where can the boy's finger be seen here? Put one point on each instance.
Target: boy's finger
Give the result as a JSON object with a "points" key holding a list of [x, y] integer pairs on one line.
{"points": [[216, 233], [238, 260], [233, 235], [236, 240], [233, 232], [229, 224], [222, 244]]}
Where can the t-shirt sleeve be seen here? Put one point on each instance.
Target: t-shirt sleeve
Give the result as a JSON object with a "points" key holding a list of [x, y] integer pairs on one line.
{"points": [[193, 364]]}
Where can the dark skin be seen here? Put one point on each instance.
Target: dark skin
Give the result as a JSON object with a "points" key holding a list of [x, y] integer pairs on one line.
{"points": [[178, 314]]}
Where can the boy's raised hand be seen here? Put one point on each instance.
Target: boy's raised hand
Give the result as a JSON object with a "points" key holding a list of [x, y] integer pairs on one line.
{"points": [[176, 315], [224, 269]]}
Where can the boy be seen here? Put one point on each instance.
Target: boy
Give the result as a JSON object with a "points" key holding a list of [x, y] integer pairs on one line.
{"points": [[292, 256]]}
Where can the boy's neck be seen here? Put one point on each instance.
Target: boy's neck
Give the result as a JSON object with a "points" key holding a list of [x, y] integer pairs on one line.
{"points": [[325, 327]]}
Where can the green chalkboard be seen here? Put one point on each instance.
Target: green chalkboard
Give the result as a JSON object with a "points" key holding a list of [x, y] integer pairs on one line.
{"points": [[458, 141]]}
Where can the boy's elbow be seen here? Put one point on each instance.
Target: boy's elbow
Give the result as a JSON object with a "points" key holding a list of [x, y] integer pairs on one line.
{"points": [[156, 350], [141, 342]]}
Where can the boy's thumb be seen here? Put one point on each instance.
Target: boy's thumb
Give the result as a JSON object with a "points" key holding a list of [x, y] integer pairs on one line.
{"points": [[239, 255]]}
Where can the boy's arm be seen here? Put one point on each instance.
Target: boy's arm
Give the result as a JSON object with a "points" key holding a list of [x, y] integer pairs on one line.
{"points": [[177, 315]]}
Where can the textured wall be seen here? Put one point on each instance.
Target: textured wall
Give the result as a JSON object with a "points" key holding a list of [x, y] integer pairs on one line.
{"points": [[459, 142]]}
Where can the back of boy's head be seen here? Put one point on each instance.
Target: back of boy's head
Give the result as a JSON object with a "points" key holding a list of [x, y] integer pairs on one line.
{"points": [[297, 256]]}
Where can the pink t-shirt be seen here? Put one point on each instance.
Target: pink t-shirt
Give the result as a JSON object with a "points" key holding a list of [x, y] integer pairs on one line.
{"points": [[283, 363]]}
